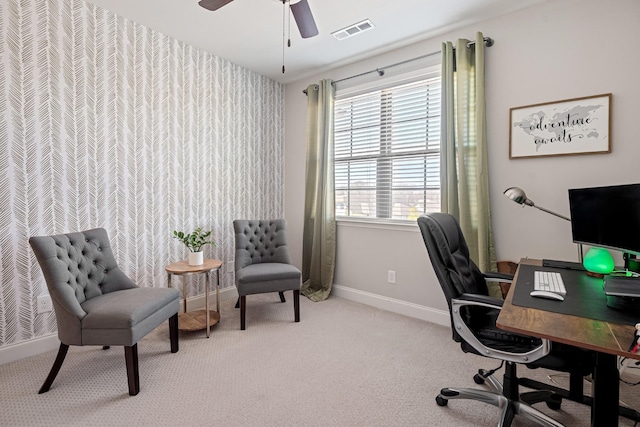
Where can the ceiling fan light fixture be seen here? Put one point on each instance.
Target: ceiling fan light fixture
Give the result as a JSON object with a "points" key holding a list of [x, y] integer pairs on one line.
{"points": [[353, 30], [213, 4], [304, 19]]}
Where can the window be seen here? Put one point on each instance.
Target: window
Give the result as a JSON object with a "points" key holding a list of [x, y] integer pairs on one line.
{"points": [[387, 151]]}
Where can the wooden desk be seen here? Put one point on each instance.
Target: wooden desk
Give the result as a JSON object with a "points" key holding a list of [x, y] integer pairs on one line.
{"points": [[607, 339], [198, 319]]}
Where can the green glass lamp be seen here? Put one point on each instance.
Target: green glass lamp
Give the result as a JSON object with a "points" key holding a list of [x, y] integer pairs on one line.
{"points": [[598, 262]]}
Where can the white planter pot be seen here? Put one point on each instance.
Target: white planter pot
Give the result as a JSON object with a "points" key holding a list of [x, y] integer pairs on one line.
{"points": [[196, 258]]}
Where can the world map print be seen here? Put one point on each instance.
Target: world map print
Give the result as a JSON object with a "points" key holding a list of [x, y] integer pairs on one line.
{"points": [[560, 128]]}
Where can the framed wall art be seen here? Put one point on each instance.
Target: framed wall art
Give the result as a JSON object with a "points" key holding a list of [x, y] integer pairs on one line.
{"points": [[572, 126]]}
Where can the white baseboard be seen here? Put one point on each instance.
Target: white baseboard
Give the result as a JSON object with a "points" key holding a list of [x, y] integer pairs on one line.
{"points": [[24, 349], [32, 347], [421, 312]]}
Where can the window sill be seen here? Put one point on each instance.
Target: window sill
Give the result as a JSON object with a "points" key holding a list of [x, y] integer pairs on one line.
{"points": [[411, 226]]}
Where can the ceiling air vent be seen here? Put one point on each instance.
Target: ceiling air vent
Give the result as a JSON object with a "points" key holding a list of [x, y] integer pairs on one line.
{"points": [[352, 30]]}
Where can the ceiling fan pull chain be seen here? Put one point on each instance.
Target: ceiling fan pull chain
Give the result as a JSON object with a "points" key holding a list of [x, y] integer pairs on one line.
{"points": [[289, 26], [284, 11]]}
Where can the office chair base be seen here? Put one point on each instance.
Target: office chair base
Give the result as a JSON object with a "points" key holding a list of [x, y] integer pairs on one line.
{"points": [[509, 407], [484, 377], [553, 400], [541, 393]]}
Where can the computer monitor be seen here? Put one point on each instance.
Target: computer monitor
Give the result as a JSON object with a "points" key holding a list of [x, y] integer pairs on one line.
{"points": [[607, 217]]}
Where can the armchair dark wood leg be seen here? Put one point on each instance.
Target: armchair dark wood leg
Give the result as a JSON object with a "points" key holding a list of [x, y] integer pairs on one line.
{"points": [[173, 332], [133, 377], [296, 304], [282, 297], [106, 347], [238, 303], [62, 353], [243, 310]]}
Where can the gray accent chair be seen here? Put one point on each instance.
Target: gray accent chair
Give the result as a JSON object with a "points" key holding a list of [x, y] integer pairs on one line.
{"points": [[263, 264], [96, 303]]}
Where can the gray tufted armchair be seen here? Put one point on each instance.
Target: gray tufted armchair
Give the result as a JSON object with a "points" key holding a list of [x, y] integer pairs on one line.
{"points": [[263, 264], [96, 303]]}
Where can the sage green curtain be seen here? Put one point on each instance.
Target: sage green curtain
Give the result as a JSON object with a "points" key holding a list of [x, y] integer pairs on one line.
{"points": [[464, 170], [319, 238]]}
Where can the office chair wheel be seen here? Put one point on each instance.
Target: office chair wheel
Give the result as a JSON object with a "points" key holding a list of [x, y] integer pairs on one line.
{"points": [[478, 379], [554, 402], [441, 401]]}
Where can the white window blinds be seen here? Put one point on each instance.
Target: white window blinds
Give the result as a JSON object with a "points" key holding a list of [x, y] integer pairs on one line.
{"points": [[387, 151]]}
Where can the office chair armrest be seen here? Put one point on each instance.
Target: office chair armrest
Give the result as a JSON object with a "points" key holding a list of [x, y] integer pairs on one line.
{"points": [[470, 338], [484, 300], [498, 277]]}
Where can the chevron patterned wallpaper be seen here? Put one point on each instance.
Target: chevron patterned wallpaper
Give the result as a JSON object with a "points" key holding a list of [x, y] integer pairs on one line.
{"points": [[105, 123]]}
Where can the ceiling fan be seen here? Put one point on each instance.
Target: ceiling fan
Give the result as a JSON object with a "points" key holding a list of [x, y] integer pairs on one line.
{"points": [[301, 12]]}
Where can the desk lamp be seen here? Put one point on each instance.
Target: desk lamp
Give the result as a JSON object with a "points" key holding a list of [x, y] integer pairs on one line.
{"points": [[597, 260], [518, 195]]}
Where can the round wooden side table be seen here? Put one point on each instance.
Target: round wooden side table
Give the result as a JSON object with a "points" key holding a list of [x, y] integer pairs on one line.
{"points": [[197, 319]]}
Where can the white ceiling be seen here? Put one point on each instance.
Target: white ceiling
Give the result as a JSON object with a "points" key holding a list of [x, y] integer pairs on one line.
{"points": [[249, 32]]}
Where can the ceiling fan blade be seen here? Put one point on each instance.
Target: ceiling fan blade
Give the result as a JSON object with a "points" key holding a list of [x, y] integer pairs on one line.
{"points": [[304, 19], [213, 4]]}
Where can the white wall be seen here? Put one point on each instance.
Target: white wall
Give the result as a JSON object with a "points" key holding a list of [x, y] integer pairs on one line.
{"points": [[557, 50]]}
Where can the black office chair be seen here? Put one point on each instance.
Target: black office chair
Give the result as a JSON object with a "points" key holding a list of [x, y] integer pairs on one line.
{"points": [[473, 320]]}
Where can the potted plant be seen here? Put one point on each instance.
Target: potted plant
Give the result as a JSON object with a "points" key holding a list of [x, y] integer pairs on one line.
{"points": [[194, 242]]}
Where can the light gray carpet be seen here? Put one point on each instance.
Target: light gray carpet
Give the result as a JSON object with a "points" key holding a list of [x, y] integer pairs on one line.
{"points": [[344, 364]]}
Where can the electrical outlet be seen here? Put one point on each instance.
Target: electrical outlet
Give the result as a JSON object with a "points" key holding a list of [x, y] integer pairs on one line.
{"points": [[391, 276], [44, 304]]}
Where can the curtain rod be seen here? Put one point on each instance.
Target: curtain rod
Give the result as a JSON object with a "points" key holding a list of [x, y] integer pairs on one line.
{"points": [[488, 41]]}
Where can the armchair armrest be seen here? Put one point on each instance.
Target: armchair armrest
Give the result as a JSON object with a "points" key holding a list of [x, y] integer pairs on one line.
{"points": [[470, 338]]}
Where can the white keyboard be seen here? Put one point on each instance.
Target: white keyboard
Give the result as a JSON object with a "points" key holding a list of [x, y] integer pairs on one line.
{"points": [[549, 281]]}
